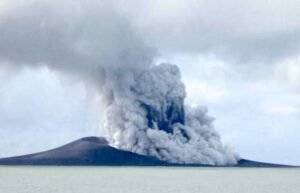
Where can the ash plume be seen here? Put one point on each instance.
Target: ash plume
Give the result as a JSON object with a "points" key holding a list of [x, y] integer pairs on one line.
{"points": [[144, 103]]}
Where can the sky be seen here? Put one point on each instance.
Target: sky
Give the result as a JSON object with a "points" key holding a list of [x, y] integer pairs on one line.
{"points": [[240, 59]]}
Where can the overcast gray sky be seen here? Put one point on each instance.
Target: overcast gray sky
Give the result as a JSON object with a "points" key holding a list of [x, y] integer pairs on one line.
{"points": [[241, 59]]}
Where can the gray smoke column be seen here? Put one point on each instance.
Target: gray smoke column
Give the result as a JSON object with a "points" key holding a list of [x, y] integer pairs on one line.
{"points": [[150, 118], [144, 103]]}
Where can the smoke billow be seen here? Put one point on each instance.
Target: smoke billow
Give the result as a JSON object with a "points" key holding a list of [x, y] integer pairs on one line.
{"points": [[150, 118], [144, 103]]}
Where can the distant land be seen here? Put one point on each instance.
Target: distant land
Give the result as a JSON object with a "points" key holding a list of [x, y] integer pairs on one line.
{"points": [[95, 151]]}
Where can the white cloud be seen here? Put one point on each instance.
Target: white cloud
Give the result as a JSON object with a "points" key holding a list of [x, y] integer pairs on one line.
{"points": [[38, 112], [281, 110], [233, 30], [203, 93], [288, 70]]}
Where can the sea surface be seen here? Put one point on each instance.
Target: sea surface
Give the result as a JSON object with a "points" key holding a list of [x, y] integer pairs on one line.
{"points": [[147, 180]]}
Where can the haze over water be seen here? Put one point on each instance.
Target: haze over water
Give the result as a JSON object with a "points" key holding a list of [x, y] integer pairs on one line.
{"points": [[147, 180]]}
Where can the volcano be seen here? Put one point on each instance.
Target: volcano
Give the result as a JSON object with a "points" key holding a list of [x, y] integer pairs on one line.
{"points": [[85, 151], [95, 151]]}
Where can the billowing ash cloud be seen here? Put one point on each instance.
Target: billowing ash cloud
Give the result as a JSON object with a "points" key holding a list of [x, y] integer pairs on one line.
{"points": [[144, 103], [150, 118]]}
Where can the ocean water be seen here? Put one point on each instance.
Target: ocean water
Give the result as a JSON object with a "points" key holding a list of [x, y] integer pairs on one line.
{"points": [[147, 180]]}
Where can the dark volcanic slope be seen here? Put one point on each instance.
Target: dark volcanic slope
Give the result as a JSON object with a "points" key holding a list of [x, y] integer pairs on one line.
{"points": [[91, 151], [250, 163], [86, 151]]}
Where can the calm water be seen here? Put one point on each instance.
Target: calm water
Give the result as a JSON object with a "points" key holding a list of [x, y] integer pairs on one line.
{"points": [[147, 180]]}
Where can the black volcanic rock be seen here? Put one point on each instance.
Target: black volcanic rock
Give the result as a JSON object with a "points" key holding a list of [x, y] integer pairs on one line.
{"points": [[93, 151], [86, 151], [250, 163]]}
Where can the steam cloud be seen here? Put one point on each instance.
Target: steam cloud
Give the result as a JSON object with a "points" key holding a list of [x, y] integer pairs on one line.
{"points": [[144, 103]]}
